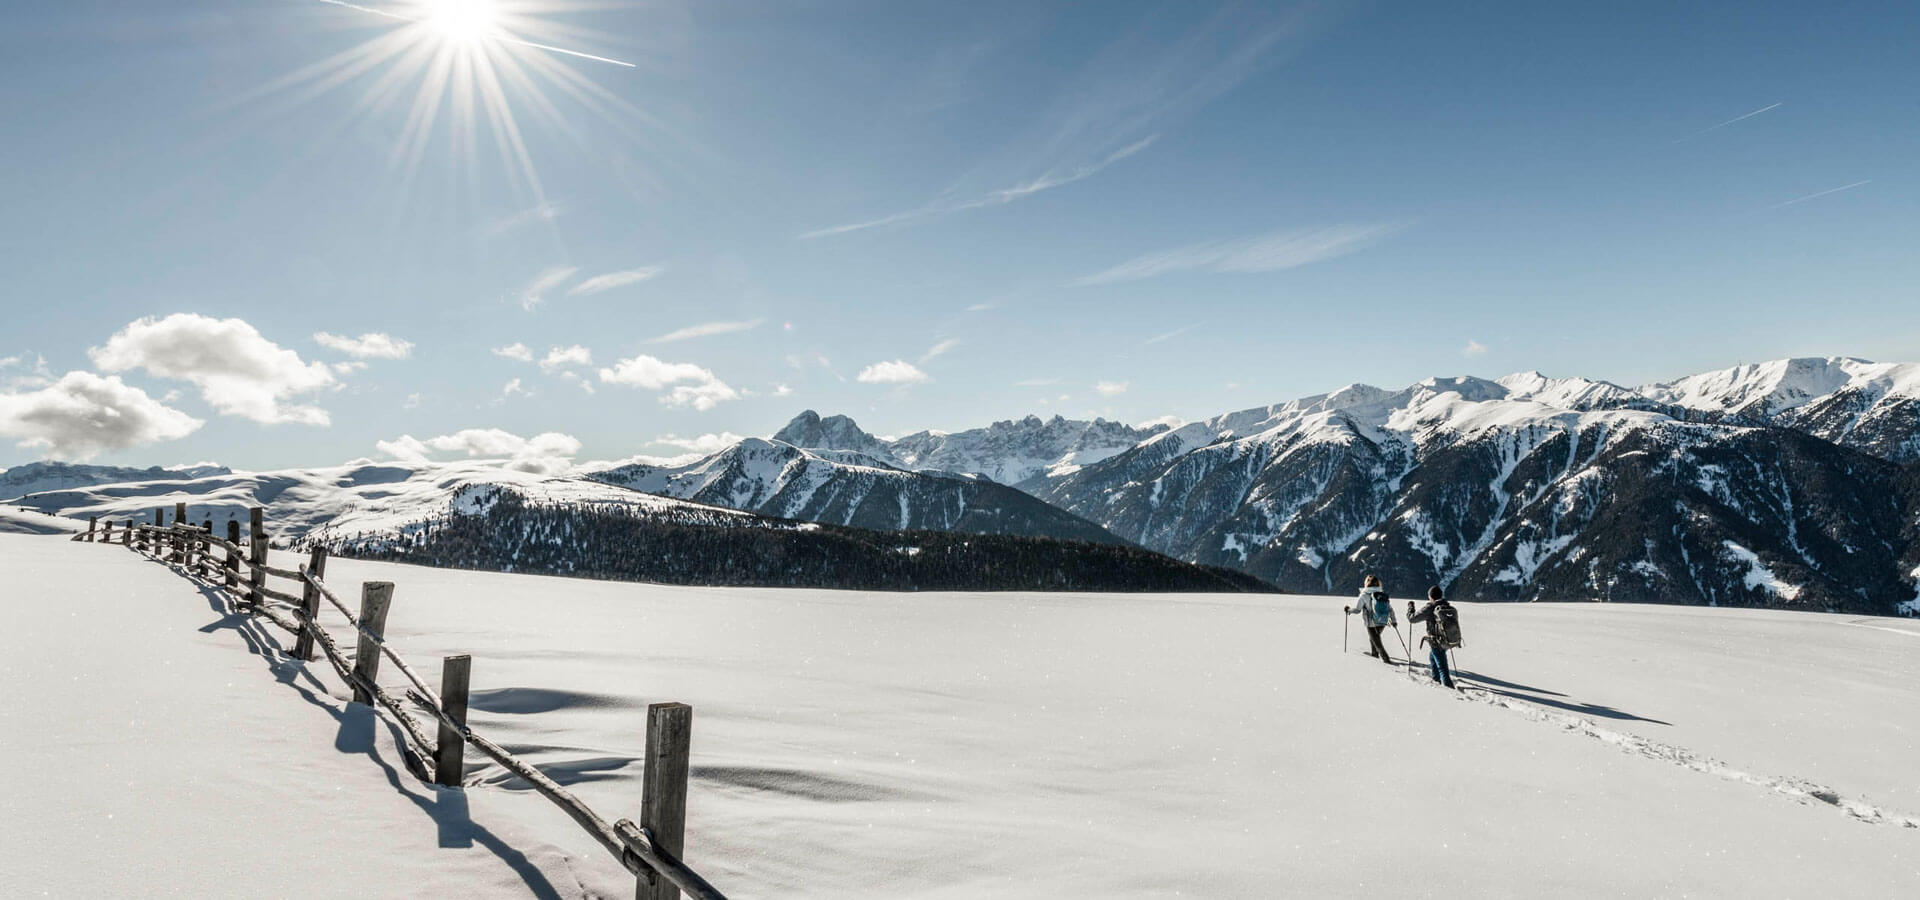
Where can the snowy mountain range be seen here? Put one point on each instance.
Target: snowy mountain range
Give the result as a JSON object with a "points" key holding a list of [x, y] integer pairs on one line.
{"points": [[850, 487], [1014, 452], [32, 478], [1778, 484], [1790, 483]]}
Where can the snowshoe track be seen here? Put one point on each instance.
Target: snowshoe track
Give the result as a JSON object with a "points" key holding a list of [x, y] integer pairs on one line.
{"points": [[1800, 790]]}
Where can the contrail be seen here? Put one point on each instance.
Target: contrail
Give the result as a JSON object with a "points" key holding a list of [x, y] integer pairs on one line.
{"points": [[1731, 121], [497, 36], [1844, 187]]}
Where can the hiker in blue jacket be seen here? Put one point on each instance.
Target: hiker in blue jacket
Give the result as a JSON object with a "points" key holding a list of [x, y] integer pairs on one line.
{"points": [[1443, 631], [1376, 612]]}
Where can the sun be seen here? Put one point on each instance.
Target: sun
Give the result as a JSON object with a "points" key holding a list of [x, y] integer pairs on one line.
{"points": [[460, 21]]}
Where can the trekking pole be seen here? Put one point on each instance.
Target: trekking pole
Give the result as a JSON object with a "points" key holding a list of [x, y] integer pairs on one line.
{"points": [[1346, 627], [1403, 643]]}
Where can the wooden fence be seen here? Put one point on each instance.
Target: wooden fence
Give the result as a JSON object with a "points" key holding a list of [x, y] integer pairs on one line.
{"points": [[651, 848]]}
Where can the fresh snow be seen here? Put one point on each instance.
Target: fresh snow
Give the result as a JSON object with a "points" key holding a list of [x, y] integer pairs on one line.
{"points": [[864, 745], [1758, 575], [1772, 387], [19, 520], [344, 500]]}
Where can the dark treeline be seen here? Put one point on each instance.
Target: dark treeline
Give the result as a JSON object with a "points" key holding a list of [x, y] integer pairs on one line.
{"points": [[624, 544]]}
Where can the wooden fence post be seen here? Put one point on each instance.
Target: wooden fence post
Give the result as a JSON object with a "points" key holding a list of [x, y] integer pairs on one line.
{"points": [[180, 537], [449, 755], [154, 541], [92, 523], [126, 534], [257, 555], [106, 532], [375, 598], [202, 548], [310, 603], [663, 790], [233, 553]]}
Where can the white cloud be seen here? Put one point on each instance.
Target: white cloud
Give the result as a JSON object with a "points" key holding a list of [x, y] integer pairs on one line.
{"points": [[897, 371], [1263, 253], [1473, 348], [1109, 388], [412, 401], [515, 351], [82, 414], [1170, 421], [372, 345], [349, 367], [705, 445], [237, 371], [706, 329], [513, 387], [937, 350], [536, 291], [681, 384], [561, 357], [611, 280], [549, 453], [781, 390]]}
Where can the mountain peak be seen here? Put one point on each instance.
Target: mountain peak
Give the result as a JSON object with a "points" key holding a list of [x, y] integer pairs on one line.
{"points": [[810, 430]]}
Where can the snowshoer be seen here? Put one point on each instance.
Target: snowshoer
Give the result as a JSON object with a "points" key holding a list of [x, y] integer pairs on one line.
{"points": [[1443, 632], [1376, 612]]}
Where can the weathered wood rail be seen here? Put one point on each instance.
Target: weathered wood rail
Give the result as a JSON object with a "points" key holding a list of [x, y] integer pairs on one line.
{"points": [[650, 849]]}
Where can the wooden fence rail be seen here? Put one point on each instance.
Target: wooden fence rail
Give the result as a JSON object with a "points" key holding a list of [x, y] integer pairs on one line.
{"points": [[651, 849]]}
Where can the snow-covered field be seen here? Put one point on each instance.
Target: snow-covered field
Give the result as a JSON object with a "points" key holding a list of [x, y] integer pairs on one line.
{"points": [[958, 745]]}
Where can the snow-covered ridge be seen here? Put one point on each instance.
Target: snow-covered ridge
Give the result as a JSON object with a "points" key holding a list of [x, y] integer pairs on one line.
{"points": [[362, 498], [1012, 451]]}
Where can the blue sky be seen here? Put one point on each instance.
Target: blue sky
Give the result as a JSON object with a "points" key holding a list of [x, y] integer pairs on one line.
{"points": [[989, 209]]}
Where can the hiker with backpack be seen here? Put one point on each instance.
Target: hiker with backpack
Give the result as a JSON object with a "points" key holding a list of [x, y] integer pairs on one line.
{"points": [[1443, 632], [1376, 612]]}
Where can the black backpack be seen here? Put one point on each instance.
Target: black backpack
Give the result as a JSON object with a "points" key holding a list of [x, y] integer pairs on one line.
{"points": [[1446, 626]]}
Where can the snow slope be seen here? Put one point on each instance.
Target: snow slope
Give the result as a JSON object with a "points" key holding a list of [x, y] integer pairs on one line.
{"points": [[856, 745], [18, 520], [344, 500]]}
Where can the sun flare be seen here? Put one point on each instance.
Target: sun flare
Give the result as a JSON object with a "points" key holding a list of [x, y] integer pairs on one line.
{"points": [[472, 61], [461, 21]]}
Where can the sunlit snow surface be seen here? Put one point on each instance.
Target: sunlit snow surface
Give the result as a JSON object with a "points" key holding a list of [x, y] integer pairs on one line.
{"points": [[356, 498], [866, 745]]}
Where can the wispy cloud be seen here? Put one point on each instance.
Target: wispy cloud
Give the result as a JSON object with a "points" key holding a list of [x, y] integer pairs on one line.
{"points": [[372, 345], [938, 350], [1169, 335], [1036, 382], [1264, 253], [1109, 388], [1739, 118], [998, 197], [706, 329], [536, 291], [515, 351], [542, 212], [612, 280], [1116, 105], [1473, 349], [1818, 194]]}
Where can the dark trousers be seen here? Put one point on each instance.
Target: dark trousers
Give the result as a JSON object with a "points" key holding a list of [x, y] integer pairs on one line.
{"points": [[1437, 661], [1379, 649]]}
